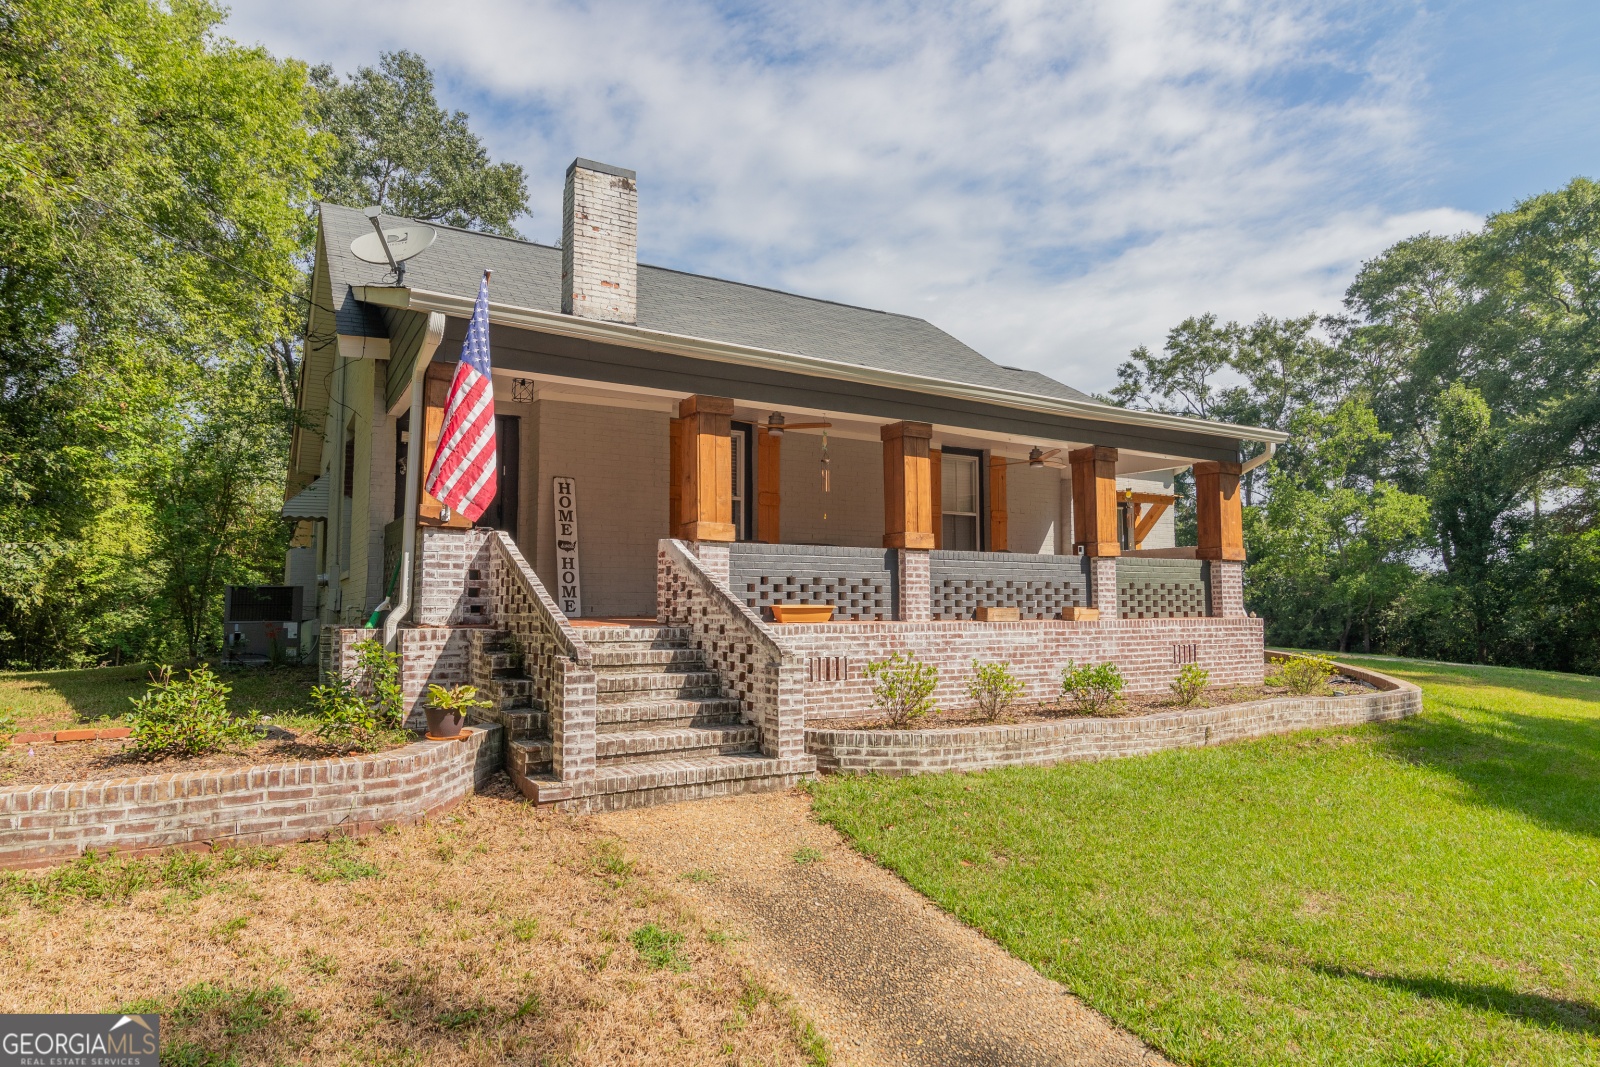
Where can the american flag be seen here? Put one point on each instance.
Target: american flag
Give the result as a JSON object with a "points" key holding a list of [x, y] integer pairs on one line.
{"points": [[463, 477]]}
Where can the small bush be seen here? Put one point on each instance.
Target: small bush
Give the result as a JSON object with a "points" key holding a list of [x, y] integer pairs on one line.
{"points": [[1092, 688], [186, 718], [994, 688], [1303, 675], [8, 727], [902, 686], [1190, 684], [358, 708]]}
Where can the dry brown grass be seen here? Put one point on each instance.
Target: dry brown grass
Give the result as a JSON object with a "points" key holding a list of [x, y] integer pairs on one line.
{"points": [[496, 934]]}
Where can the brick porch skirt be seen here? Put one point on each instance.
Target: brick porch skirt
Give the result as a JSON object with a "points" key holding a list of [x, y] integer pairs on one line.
{"points": [[270, 804], [902, 752]]}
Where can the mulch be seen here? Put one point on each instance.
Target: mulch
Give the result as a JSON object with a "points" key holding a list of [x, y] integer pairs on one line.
{"points": [[25, 763], [1131, 706]]}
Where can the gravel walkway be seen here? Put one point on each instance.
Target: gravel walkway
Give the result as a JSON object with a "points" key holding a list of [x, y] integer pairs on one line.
{"points": [[886, 976]]}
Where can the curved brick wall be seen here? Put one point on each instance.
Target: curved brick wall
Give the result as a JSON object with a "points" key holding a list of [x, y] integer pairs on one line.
{"points": [[270, 804], [900, 752]]}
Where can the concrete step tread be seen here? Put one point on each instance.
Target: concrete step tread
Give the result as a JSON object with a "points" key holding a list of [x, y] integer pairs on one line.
{"points": [[674, 739], [607, 657], [697, 770]]}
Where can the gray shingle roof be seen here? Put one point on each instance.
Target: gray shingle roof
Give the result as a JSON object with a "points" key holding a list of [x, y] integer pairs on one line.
{"points": [[529, 275]]}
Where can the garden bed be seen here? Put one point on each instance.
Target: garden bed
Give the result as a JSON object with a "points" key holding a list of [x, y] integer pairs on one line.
{"points": [[33, 762], [1052, 737], [1128, 707]]}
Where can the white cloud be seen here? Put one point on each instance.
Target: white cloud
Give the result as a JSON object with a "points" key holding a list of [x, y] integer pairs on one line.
{"points": [[1052, 182]]}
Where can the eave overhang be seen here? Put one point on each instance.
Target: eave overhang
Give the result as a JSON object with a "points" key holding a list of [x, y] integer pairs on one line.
{"points": [[726, 352]]}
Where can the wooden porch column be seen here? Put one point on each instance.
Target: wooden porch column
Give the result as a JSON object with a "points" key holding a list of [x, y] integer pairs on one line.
{"points": [[1218, 512], [907, 486], [1094, 500], [769, 469], [999, 516], [702, 469]]}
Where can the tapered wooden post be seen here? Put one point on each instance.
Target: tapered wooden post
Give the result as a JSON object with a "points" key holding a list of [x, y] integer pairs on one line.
{"points": [[1218, 512], [769, 470], [999, 513], [1094, 500], [702, 469], [907, 485]]}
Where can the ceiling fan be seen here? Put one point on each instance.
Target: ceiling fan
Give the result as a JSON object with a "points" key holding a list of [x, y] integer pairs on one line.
{"points": [[776, 424], [1038, 457]]}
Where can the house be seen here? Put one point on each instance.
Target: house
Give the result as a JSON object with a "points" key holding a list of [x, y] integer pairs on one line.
{"points": [[682, 459]]}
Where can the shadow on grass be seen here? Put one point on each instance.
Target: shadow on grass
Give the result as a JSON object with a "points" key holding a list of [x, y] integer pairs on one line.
{"points": [[1541, 766], [1554, 1013]]}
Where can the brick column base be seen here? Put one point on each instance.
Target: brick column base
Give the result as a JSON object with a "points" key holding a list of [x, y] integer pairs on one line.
{"points": [[916, 589], [1103, 587], [1227, 589]]}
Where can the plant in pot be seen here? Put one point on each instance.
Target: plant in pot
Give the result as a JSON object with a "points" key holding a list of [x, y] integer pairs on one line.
{"points": [[447, 710]]}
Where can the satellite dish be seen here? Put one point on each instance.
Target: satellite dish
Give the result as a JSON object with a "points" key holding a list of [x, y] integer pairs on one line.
{"points": [[403, 241]]}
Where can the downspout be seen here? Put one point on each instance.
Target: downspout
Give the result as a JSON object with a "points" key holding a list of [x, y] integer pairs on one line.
{"points": [[1255, 461], [408, 534]]}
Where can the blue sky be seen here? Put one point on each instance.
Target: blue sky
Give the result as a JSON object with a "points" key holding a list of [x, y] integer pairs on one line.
{"points": [[1054, 183]]}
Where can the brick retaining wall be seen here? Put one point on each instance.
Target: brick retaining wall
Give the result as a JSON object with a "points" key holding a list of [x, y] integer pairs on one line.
{"points": [[1149, 652], [902, 752], [270, 804]]}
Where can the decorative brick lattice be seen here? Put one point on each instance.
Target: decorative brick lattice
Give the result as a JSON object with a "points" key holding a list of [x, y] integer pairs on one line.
{"points": [[1162, 588], [858, 582], [1039, 587]]}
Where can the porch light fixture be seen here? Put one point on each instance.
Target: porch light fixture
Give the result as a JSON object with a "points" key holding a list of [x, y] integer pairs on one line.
{"points": [[775, 424]]}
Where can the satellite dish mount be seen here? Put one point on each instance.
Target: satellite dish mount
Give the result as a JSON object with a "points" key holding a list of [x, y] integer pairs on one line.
{"points": [[391, 244]]}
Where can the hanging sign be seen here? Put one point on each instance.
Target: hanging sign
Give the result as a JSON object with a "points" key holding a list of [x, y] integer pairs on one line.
{"points": [[569, 592]]}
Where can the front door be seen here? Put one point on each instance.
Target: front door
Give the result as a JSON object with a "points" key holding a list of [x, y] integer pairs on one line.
{"points": [[502, 512]]}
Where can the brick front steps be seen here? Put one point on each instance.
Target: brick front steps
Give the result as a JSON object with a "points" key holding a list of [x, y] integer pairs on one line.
{"points": [[270, 804], [901, 752], [664, 731]]}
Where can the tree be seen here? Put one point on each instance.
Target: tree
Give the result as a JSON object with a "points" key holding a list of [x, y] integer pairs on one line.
{"points": [[1331, 547], [154, 187], [397, 148]]}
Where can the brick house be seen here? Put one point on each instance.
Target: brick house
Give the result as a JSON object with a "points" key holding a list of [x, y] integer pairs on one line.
{"points": [[684, 457]]}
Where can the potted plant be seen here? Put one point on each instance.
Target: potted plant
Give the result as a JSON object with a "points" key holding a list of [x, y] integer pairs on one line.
{"points": [[447, 710]]}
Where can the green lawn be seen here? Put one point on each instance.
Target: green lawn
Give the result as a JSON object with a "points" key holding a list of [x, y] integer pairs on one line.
{"points": [[1416, 893], [57, 700]]}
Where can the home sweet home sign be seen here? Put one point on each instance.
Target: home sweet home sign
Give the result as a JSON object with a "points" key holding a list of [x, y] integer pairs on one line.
{"points": [[569, 591]]}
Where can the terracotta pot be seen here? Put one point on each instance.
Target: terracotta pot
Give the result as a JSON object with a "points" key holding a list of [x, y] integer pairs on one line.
{"points": [[788, 613], [444, 725]]}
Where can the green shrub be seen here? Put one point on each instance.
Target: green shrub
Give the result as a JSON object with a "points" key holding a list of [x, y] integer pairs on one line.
{"points": [[186, 718], [994, 688], [1303, 675], [8, 727], [902, 686], [1092, 688], [1190, 684], [356, 710]]}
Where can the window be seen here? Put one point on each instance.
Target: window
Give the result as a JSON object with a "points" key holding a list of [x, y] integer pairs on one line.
{"points": [[960, 499], [741, 518]]}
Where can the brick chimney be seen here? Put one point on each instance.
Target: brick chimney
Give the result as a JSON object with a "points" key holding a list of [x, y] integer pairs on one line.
{"points": [[600, 243]]}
